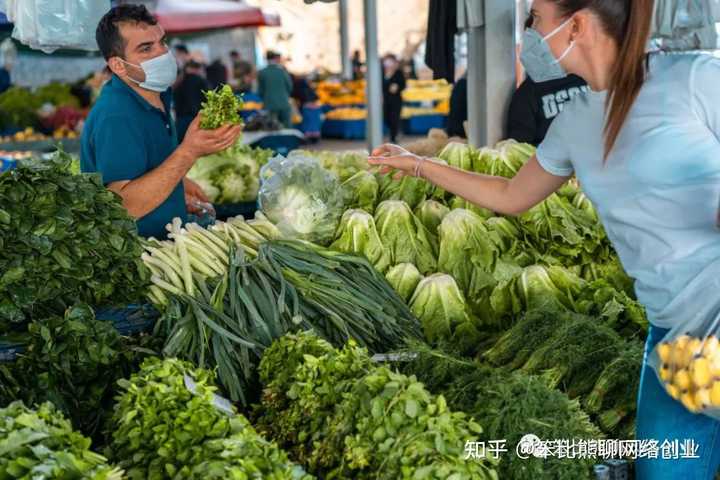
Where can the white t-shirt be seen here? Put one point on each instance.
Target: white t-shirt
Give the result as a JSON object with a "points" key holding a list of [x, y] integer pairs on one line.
{"points": [[658, 193]]}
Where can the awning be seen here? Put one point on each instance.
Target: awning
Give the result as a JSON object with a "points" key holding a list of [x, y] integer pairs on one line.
{"points": [[182, 16]]}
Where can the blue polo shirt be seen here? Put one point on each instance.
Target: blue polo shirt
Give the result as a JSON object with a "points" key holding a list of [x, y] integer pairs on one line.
{"points": [[124, 138]]}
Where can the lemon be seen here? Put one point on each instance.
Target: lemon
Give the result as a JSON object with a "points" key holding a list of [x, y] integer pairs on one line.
{"points": [[702, 398], [715, 395], [664, 350], [700, 372], [681, 379], [665, 373], [688, 399], [673, 391], [711, 346]]}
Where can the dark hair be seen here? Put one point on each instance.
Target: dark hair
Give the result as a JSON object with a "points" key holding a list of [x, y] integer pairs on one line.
{"points": [[234, 53], [193, 65], [182, 48], [272, 55], [109, 39], [628, 22]]}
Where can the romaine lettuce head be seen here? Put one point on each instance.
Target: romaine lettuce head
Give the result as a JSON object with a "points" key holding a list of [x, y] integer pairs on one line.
{"points": [[405, 236], [465, 245], [231, 184], [443, 313], [458, 155], [516, 154], [431, 214], [357, 234], [404, 278], [411, 190], [537, 290], [362, 191], [459, 202]]}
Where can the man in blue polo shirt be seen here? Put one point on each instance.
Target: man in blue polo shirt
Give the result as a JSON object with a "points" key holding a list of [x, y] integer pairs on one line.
{"points": [[130, 136]]}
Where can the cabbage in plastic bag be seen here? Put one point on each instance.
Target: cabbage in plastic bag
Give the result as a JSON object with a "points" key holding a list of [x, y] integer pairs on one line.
{"points": [[303, 199]]}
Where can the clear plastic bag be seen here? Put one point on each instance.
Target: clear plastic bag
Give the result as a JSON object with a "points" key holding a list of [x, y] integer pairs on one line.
{"points": [[687, 363], [303, 199], [48, 25]]}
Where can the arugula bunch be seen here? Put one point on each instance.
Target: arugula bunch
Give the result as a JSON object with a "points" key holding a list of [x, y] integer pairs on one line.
{"points": [[65, 239], [41, 444], [345, 417], [169, 424]]}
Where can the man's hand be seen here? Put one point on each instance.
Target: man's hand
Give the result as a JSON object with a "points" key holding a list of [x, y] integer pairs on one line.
{"points": [[194, 190], [196, 201], [199, 143]]}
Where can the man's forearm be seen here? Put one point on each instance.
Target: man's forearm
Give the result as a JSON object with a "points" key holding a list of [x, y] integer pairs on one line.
{"points": [[144, 194]]}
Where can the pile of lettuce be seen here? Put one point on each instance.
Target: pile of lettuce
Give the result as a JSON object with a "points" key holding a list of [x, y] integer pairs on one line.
{"points": [[475, 271], [231, 176]]}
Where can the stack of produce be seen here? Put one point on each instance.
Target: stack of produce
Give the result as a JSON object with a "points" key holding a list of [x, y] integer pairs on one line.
{"points": [[688, 367], [65, 239], [231, 176], [343, 164], [345, 418], [19, 106], [73, 361], [574, 353], [170, 424], [340, 94], [347, 113], [222, 309], [508, 406], [41, 444]]}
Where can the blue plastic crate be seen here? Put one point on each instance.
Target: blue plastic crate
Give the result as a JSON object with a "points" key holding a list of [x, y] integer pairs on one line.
{"points": [[421, 124], [7, 164], [280, 144], [345, 129]]}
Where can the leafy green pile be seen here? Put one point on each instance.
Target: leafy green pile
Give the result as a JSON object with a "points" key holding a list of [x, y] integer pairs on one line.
{"points": [[508, 406], [343, 164], [226, 320], [41, 444], [169, 424], [575, 353], [221, 107], [18, 108], [361, 191], [321, 402], [74, 362], [405, 237], [65, 239], [231, 176]]}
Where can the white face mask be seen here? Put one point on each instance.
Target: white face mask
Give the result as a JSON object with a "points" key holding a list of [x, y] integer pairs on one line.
{"points": [[160, 72]]}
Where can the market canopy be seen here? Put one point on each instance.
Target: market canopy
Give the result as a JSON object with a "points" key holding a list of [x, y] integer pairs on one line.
{"points": [[181, 16]]}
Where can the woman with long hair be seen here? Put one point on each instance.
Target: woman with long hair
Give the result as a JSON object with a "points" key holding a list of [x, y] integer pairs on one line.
{"points": [[645, 144]]}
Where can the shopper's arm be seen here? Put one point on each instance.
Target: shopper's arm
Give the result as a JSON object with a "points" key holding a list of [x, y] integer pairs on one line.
{"points": [[513, 196], [146, 193]]}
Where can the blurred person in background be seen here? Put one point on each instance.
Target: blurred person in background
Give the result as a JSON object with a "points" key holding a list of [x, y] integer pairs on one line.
{"points": [[458, 109], [243, 73], [357, 65], [393, 86], [216, 74], [189, 96], [275, 87]]}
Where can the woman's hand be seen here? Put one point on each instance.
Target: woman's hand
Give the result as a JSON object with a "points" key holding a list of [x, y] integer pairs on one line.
{"points": [[393, 157]]}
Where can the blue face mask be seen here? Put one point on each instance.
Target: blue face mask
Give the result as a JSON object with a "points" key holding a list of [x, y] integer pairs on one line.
{"points": [[537, 58]]}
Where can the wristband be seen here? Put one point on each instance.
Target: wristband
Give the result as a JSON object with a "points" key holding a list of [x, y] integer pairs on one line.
{"points": [[418, 166]]}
